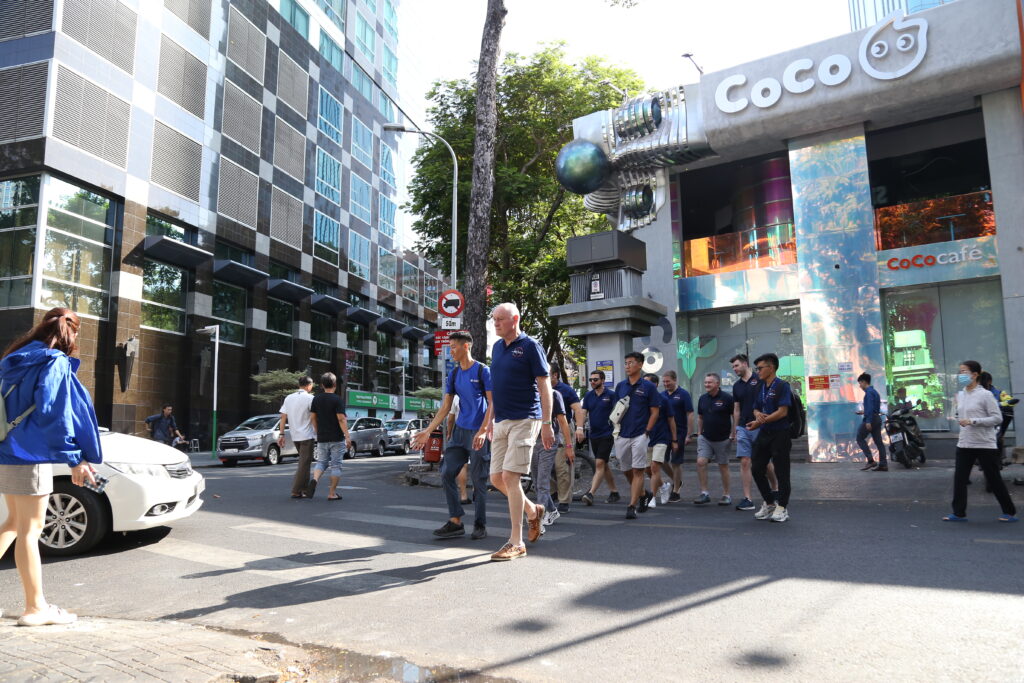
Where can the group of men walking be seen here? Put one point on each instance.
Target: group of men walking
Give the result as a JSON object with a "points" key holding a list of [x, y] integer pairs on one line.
{"points": [[516, 416]]}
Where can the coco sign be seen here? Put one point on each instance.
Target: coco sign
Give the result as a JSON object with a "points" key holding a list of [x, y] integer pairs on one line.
{"points": [[929, 260], [883, 55]]}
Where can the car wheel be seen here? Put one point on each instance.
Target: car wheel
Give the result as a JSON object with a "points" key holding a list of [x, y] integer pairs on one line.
{"points": [[230, 462], [379, 450], [273, 455], [76, 520], [404, 449]]}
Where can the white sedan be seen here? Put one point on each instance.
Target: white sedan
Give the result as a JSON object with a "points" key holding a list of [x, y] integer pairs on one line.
{"points": [[150, 485]]}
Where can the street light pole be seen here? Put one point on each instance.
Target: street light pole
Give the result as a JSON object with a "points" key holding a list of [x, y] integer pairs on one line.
{"points": [[399, 128], [214, 330]]}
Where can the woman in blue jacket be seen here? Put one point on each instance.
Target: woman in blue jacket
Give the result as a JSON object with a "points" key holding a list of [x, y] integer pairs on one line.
{"points": [[54, 421]]}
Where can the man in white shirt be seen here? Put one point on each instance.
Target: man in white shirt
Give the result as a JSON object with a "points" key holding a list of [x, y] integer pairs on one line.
{"points": [[295, 410]]}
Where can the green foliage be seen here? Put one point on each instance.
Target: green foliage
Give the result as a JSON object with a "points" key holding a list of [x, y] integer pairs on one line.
{"points": [[427, 392], [532, 216], [274, 385]]}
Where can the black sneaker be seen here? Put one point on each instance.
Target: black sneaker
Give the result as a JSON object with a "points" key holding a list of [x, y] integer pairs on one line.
{"points": [[674, 498], [614, 497], [310, 488], [479, 531], [588, 498], [630, 512], [450, 530], [644, 501], [563, 508]]}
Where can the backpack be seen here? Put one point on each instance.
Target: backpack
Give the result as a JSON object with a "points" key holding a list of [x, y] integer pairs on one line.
{"points": [[798, 418], [619, 411], [479, 377], [5, 426]]}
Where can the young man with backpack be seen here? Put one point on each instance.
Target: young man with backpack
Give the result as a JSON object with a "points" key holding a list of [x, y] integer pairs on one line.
{"points": [[635, 416], [471, 382], [772, 405]]}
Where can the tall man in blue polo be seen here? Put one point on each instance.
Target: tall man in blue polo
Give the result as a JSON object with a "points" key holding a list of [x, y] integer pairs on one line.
{"points": [[471, 382], [772, 445], [635, 428], [871, 424], [682, 410], [522, 411]]}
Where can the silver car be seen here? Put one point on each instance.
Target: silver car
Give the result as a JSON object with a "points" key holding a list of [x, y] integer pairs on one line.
{"points": [[255, 439], [401, 432], [368, 436]]}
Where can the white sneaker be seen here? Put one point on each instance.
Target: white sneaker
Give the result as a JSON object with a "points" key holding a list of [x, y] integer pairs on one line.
{"points": [[550, 517], [664, 492], [765, 512], [781, 514], [653, 504]]}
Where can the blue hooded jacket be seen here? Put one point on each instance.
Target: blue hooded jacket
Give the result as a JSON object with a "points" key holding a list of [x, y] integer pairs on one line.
{"points": [[63, 426]]}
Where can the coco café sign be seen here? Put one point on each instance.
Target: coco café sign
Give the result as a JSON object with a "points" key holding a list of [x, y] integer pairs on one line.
{"points": [[883, 55]]}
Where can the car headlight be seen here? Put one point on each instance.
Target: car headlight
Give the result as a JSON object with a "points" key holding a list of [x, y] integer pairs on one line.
{"points": [[139, 469], [255, 440]]}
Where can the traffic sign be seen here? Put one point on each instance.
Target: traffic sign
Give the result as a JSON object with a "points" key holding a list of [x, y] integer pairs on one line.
{"points": [[451, 303], [451, 323], [440, 340]]}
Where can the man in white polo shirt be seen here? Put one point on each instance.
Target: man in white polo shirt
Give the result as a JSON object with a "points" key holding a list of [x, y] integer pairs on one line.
{"points": [[296, 410]]}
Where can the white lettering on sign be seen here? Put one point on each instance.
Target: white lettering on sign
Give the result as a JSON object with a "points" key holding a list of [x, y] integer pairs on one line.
{"points": [[835, 69]]}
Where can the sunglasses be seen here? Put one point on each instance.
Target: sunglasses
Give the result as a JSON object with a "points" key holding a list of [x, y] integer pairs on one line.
{"points": [[596, 379]]}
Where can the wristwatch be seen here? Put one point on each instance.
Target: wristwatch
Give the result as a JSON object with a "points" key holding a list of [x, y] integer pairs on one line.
{"points": [[546, 422]]}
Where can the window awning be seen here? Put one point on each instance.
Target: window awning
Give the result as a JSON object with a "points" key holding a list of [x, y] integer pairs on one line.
{"points": [[237, 273], [170, 250], [288, 290]]}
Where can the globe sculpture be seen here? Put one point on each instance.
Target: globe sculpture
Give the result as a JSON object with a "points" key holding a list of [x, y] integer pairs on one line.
{"points": [[582, 167]]}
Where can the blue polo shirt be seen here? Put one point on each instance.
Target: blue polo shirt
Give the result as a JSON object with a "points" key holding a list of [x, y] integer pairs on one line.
{"points": [[643, 397], [471, 387], [744, 393], [872, 404], [515, 368], [769, 398], [716, 414], [661, 433], [557, 408], [569, 399], [682, 405], [599, 409]]}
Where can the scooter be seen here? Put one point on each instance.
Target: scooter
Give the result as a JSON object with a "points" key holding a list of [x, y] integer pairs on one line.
{"points": [[905, 440]]}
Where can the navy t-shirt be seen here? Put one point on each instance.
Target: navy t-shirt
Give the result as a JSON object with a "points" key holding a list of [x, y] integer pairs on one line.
{"points": [[557, 408], [643, 397], [467, 385], [681, 404], [661, 433], [515, 368], [716, 413], [744, 393], [569, 399], [769, 398], [599, 409]]}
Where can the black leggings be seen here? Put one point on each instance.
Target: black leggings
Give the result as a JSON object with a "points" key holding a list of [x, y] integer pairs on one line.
{"points": [[988, 460], [772, 447]]}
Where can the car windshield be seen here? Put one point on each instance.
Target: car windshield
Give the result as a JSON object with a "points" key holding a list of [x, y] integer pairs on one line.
{"points": [[396, 424], [258, 423]]}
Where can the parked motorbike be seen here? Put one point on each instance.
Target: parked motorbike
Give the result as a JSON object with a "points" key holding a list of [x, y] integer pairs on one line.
{"points": [[905, 440]]}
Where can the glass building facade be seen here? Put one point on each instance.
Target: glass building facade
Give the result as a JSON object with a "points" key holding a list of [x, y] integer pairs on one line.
{"points": [[165, 166]]}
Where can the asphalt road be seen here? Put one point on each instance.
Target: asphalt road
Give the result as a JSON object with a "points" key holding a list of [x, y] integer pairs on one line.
{"points": [[864, 583]]}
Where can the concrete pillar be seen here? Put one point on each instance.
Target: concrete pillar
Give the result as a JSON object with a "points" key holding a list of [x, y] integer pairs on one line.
{"points": [[1004, 137], [838, 281]]}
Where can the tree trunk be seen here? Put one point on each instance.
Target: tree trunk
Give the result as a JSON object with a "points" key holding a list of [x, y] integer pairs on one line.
{"points": [[478, 242]]}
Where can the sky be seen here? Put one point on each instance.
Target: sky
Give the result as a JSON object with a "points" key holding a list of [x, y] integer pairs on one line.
{"points": [[440, 39]]}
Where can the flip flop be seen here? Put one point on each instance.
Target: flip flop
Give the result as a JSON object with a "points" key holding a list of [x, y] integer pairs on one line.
{"points": [[52, 615], [337, 498]]}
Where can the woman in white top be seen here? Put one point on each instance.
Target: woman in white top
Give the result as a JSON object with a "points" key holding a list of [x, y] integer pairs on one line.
{"points": [[979, 415]]}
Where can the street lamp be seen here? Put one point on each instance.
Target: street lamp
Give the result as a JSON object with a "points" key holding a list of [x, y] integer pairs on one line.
{"points": [[213, 331], [608, 82], [689, 55], [399, 128]]}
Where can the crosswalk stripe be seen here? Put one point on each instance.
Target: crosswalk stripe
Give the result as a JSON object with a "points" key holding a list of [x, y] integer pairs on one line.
{"points": [[575, 519], [343, 539], [998, 540], [424, 524]]}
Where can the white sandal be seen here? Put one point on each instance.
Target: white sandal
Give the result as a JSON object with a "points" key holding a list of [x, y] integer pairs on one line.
{"points": [[52, 615]]}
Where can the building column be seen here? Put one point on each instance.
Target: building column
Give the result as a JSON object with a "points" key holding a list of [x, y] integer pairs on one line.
{"points": [[838, 283], [128, 408], [1004, 137]]}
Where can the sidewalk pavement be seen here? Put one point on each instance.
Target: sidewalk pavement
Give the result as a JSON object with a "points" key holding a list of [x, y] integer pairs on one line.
{"points": [[109, 650], [204, 459]]}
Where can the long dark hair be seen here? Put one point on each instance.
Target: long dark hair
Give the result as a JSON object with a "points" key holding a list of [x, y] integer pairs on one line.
{"points": [[58, 330]]}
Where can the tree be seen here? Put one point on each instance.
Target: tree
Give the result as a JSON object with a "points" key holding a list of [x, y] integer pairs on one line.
{"points": [[274, 385], [531, 215], [479, 233]]}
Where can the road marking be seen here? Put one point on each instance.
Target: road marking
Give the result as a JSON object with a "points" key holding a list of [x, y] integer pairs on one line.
{"points": [[424, 524], [998, 540], [342, 539], [696, 527], [443, 512]]}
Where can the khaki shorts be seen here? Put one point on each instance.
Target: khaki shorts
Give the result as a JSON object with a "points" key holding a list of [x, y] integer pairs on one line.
{"points": [[512, 445], [657, 453], [27, 480]]}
